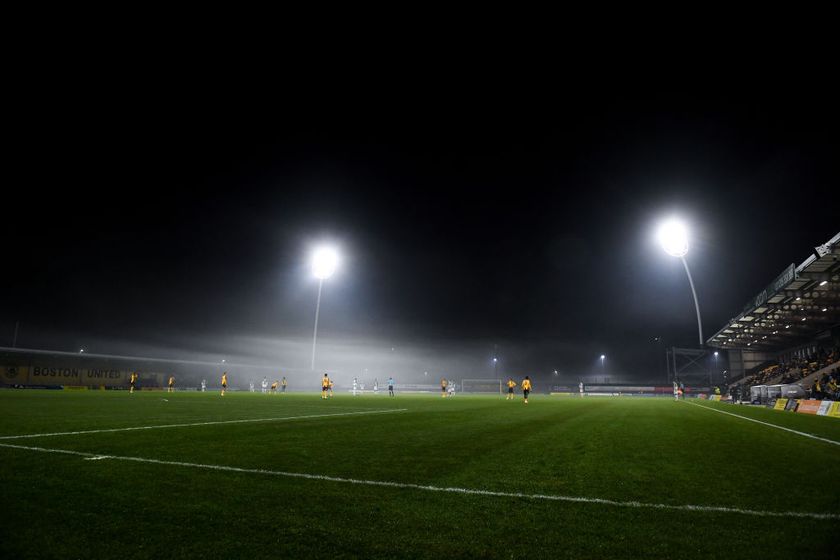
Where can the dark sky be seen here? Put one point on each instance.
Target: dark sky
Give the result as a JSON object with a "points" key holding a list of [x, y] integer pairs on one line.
{"points": [[184, 222]]}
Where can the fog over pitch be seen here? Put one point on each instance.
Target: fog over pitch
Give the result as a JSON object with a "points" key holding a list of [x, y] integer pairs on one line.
{"points": [[186, 233]]}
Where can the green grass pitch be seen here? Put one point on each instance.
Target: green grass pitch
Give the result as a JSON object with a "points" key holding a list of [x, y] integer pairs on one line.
{"points": [[635, 453]]}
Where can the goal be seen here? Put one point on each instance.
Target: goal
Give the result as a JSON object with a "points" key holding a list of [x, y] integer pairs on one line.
{"points": [[481, 386]]}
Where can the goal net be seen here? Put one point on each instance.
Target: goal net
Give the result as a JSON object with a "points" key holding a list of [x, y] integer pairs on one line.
{"points": [[481, 386]]}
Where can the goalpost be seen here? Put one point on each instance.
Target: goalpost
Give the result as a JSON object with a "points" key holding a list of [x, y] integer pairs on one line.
{"points": [[481, 386]]}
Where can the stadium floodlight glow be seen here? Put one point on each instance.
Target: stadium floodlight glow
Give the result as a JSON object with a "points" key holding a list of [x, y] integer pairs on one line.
{"points": [[716, 353], [673, 236], [824, 282], [825, 309], [81, 351], [324, 263]]}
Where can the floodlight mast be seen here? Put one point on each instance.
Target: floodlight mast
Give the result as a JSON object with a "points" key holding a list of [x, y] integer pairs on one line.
{"points": [[673, 237], [696, 303], [315, 332], [324, 262]]}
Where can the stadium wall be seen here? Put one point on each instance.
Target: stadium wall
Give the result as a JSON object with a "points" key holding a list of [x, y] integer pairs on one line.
{"points": [[39, 375]]}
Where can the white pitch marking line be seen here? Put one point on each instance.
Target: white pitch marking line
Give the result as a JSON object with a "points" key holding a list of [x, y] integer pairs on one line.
{"points": [[812, 436], [444, 489], [206, 423]]}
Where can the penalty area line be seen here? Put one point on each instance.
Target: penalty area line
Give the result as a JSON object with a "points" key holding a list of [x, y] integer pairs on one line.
{"points": [[797, 432], [212, 423], [440, 489]]}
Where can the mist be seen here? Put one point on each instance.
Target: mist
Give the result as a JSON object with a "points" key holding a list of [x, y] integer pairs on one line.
{"points": [[248, 359]]}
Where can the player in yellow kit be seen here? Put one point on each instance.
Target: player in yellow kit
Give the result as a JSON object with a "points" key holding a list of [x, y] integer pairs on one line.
{"points": [[273, 387], [443, 384], [133, 381], [511, 385], [526, 388], [171, 388], [325, 386], [224, 383]]}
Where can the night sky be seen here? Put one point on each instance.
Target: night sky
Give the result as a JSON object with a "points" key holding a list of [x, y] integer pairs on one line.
{"points": [[182, 224]]}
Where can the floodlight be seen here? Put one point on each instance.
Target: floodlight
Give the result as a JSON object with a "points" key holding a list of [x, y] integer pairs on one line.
{"points": [[716, 353], [324, 262], [824, 282], [603, 356], [673, 237]]}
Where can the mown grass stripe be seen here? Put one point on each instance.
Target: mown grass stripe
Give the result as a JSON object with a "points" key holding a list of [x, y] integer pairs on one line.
{"points": [[442, 489], [797, 432], [211, 423]]}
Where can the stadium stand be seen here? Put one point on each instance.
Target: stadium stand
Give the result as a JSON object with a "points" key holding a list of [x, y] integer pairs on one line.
{"points": [[789, 334]]}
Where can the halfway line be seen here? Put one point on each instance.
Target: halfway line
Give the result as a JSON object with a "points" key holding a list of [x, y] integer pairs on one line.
{"points": [[205, 423], [766, 423], [450, 490]]}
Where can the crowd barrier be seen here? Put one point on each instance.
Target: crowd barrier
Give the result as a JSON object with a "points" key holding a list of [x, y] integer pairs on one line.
{"points": [[807, 406], [33, 376]]}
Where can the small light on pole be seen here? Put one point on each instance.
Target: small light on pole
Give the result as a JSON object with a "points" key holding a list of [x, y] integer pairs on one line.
{"points": [[716, 366]]}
